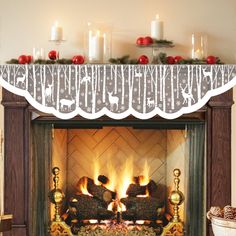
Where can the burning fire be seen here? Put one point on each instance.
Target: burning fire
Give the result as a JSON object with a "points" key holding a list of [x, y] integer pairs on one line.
{"points": [[116, 206], [83, 186], [144, 178], [118, 182], [111, 185], [126, 178]]}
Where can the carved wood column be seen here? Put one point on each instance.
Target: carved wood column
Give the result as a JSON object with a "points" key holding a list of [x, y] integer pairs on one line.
{"points": [[16, 146], [219, 152]]}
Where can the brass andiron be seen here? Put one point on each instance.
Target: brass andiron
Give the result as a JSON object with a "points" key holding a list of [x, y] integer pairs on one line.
{"points": [[175, 227], [56, 196], [176, 197]]}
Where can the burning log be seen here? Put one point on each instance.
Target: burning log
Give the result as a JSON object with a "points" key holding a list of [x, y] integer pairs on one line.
{"points": [[98, 191], [103, 179], [136, 189], [139, 208], [86, 207]]}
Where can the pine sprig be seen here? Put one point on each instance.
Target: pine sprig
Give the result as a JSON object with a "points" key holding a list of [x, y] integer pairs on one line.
{"points": [[123, 60]]}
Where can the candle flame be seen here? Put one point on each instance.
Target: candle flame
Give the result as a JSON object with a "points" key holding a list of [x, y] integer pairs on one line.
{"points": [[56, 23], [157, 16]]}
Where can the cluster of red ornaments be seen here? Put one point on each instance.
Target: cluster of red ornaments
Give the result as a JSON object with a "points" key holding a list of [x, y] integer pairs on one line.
{"points": [[144, 41], [175, 60], [25, 59], [170, 60], [52, 55]]}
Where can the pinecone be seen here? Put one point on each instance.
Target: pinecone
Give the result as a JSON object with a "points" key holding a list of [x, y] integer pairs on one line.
{"points": [[229, 212], [217, 211]]}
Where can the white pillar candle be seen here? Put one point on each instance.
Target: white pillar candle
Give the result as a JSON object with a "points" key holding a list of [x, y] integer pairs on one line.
{"points": [[56, 32], [157, 28], [96, 44]]}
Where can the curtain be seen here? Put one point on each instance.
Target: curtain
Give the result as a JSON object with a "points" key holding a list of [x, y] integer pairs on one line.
{"points": [[196, 174], [41, 167]]}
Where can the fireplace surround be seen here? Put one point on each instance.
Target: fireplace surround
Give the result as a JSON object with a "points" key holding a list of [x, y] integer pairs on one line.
{"points": [[17, 119]]}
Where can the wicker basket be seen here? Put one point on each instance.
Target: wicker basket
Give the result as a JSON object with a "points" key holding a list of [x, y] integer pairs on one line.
{"points": [[222, 227]]}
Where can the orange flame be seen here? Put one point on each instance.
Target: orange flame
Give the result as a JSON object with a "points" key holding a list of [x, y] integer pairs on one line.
{"points": [[111, 185], [83, 186], [121, 207], [126, 178], [116, 206], [145, 179]]}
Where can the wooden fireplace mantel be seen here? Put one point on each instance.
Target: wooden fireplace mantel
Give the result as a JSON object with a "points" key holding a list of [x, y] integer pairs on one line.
{"points": [[17, 120]]}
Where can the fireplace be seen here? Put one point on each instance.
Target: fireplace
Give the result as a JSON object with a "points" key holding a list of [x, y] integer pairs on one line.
{"points": [[19, 169], [117, 174]]}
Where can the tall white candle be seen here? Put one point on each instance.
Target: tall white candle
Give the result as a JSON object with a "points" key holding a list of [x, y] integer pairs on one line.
{"points": [[56, 32], [96, 46], [157, 28]]}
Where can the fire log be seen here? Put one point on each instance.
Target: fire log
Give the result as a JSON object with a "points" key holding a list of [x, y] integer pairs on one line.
{"points": [[136, 189], [103, 179], [97, 191], [85, 207], [152, 189], [139, 208]]}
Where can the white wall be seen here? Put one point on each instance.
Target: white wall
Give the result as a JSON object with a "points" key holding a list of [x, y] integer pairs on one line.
{"points": [[26, 23]]}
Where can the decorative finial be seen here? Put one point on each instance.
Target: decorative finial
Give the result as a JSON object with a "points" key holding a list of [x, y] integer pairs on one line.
{"points": [[56, 195], [176, 197]]}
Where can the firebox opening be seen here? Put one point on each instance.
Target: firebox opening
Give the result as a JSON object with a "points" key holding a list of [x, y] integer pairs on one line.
{"points": [[114, 174]]}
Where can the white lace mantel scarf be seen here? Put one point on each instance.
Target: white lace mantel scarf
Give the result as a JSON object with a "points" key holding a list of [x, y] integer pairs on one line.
{"points": [[117, 91]]}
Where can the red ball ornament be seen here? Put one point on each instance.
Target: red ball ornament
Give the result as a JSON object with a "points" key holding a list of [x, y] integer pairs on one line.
{"points": [[139, 41], [211, 60], [53, 55], [170, 60], [78, 59], [143, 60], [178, 59], [22, 59], [147, 40], [29, 59]]}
